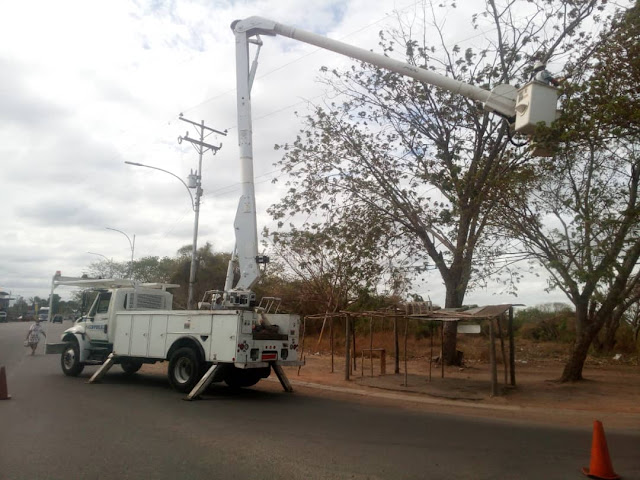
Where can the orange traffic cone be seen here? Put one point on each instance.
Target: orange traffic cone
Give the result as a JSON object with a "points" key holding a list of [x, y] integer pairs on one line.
{"points": [[4, 395], [600, 465]]}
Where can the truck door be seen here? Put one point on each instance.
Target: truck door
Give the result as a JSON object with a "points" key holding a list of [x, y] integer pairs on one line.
{"points": [[97, 323]]}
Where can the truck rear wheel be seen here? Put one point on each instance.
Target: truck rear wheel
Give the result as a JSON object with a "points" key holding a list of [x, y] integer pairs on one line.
{"points": [[70, 360], [185, 369], [129, 367]]}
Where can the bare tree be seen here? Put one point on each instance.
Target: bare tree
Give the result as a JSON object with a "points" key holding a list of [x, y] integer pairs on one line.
{"points": [[429, 164], [581, 219]]}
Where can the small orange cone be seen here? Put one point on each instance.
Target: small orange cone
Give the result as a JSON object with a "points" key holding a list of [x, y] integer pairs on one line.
{"points": [[4, 395], [600, 465]]}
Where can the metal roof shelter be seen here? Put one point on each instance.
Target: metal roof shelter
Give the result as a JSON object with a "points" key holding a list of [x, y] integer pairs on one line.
{"points": [[424, 311]]}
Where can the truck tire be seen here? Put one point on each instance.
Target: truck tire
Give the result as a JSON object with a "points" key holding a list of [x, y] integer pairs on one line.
{"points": [[242, 378], [129, 367], [185, 369], [70, 360]]}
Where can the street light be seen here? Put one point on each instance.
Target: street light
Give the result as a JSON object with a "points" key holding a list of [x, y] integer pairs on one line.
{"points": [[109, 262], [131, 244], [193, 204], [100, 255], [195, 181]]}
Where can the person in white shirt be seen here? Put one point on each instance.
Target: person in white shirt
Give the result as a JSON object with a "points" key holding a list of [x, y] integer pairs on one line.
{"points": [[33, 336]]}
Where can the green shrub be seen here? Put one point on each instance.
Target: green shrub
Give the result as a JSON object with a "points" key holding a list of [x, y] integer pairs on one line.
{"points": [[537, 325], [625, 340]]}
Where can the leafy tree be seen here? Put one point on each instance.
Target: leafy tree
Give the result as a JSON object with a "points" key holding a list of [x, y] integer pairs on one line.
{"points": [[332, 263], [211, 272], [580, 216], [427, 165]]}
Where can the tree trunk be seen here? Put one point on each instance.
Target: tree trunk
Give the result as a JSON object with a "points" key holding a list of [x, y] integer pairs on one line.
{"points": [[573, 368], [450, 333], [585, 334]]}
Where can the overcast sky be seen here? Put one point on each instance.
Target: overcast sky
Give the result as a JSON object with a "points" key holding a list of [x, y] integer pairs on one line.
{"points": [[87, 85]]}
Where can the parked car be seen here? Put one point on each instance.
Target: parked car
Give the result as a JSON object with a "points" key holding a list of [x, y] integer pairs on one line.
{"points": [[3, 317], [57, 319]]}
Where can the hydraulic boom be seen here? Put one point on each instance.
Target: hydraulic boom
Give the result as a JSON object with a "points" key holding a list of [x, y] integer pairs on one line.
{"points": [[505, 100]]}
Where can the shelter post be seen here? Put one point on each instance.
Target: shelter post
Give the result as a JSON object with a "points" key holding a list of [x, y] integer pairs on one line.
{"points": [[347, 347], [512, 350], [504, 356], [304, 333], [331, 340], [406, 329], [431, 354], [441, 349], [492, 360], [396, 346], [353, 350], [370, 343]]}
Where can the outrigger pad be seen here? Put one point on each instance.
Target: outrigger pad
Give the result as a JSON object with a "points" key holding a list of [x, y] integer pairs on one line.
{"points": [[284, 381], [204, 382], [104, 368]]}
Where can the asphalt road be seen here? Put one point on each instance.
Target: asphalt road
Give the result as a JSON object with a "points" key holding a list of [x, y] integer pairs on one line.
{"points": [[56, 427]]}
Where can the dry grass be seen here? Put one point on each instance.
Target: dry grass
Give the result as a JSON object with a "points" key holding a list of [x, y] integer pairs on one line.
{"points": [[475, 347]]}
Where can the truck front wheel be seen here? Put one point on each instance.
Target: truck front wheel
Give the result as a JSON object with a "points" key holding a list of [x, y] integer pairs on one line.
{"points": [[185, 369], [70, 360]]}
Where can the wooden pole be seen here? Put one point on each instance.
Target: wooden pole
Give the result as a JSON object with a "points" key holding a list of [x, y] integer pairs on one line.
{"points": [[354, 355], [324, 322], [512, 350], [304, 332], [442, 349], [331, 335], [504, 356], [396, 368], [431, 354], [371, 342], [406, 325], [492, 360], [347, 347]]}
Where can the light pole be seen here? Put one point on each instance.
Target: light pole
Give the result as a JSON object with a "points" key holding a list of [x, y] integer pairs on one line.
{"points": [[131, 244], [109, 262], [195, 181]]}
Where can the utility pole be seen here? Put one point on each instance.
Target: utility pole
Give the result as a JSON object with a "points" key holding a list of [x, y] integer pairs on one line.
{"points": [[195, 181]]}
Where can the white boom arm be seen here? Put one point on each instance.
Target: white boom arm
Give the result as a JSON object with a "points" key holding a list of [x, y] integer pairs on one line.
{"points": [[502, 100]]}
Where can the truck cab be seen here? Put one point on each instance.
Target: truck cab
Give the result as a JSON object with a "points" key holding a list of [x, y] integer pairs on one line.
{"points": [[90, 340]]}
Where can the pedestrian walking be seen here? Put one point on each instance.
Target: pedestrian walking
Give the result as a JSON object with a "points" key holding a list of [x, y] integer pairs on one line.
{"points": [[33, 336]]}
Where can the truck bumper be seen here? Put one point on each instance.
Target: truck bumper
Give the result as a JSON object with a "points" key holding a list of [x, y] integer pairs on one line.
{"points": [[55, 348]]}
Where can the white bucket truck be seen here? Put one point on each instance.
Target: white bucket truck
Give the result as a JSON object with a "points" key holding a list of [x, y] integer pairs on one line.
{"points": [[132, 324]]}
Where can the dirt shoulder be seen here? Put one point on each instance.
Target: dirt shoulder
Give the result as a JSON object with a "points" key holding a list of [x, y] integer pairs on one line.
{"points": [[609, 392]]}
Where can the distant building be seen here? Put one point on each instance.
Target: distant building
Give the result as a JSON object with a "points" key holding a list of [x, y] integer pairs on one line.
{"points": [[5, 298]]}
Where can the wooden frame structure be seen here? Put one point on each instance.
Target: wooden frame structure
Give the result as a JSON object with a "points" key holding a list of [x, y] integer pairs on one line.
{"points": [[423, 311]]}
